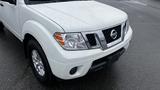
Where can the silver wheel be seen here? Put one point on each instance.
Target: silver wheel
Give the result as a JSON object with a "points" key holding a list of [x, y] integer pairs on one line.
{"points": [[37, 62]]}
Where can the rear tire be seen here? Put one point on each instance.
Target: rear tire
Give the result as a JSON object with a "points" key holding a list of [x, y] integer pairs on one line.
{"points": [[39, 62]]}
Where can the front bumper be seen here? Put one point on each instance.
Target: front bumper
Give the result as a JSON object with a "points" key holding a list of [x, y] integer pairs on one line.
{"points": [[108, 60], [64, 61]]}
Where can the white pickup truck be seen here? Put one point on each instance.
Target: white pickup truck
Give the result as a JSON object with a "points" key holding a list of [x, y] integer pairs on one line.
{"points": [[66, 39]]}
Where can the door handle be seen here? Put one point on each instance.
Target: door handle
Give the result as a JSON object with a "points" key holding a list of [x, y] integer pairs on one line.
{"points": [[1, 5]]}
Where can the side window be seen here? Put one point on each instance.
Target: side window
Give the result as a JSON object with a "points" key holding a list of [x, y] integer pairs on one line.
{"points": [[10, 1]]}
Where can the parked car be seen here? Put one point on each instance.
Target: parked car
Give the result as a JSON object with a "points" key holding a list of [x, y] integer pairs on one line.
{"points": [[66, 39]]}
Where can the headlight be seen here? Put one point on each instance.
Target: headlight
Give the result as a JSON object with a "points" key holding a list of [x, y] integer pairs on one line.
{"points": [[126, 27], [71, 41]]}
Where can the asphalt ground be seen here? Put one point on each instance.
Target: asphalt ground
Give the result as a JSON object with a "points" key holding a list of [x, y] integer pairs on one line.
{"points": [[137, 69]]}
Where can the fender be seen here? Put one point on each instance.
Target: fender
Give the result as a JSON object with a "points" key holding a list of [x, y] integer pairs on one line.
{"points": [[42, 35], [35, 29]]}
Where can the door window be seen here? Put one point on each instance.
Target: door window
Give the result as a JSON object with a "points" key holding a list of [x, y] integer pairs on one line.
{"points": [[10, 1]]}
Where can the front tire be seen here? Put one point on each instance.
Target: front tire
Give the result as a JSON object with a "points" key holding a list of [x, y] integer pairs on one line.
{"points": [[39, 62]]}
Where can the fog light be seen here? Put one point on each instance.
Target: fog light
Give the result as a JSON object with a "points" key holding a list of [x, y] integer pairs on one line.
{"points": [[73, 70]]}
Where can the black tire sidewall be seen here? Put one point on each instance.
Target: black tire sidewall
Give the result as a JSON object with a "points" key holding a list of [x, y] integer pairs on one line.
{"points": [[34, 45]]}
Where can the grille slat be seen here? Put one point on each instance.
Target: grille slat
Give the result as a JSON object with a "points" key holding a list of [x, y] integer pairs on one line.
{"points": [[91, 39]]}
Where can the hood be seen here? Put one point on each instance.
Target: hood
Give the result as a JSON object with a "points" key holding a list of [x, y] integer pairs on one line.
{"points": [[79, 16]]}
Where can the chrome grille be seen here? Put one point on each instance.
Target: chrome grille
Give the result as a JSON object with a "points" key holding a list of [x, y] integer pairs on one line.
{"points": [[103, 37], [107, 33]]}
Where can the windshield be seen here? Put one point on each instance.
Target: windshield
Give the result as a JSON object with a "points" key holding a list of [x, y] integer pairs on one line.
{"points": [[47, 1]]}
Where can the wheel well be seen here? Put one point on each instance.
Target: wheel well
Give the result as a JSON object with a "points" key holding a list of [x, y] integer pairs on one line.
{"points": [[27, 37], [1, 25]]}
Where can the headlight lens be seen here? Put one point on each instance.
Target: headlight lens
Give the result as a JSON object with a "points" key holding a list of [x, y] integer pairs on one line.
{"points": [[71, 41], [126, 27]]}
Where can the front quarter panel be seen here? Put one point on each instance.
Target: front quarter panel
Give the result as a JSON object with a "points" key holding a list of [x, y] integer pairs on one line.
{"points": [[43, 36], [41, 28]]}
